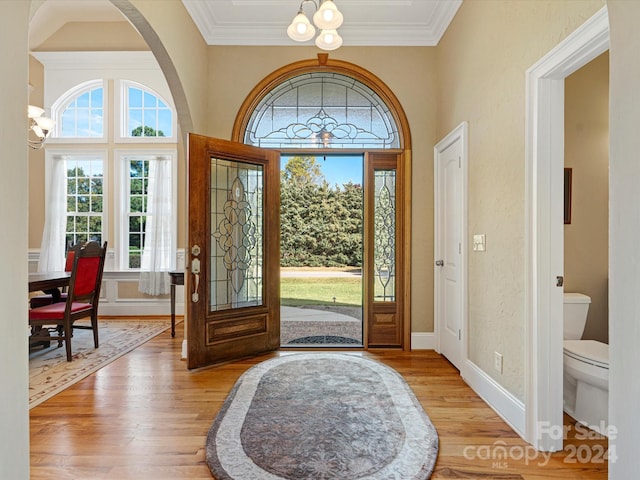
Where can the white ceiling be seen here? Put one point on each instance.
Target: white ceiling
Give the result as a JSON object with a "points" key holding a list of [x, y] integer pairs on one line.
{"points": [[264, 22], [366, 22]]}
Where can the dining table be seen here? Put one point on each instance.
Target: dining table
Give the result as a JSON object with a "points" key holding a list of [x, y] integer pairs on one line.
{"points": [[49, 282]]}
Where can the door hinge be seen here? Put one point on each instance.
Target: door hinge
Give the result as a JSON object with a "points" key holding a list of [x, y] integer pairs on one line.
{"points": [[459, 162], [559, 281], [460, 248], [459, 334]]}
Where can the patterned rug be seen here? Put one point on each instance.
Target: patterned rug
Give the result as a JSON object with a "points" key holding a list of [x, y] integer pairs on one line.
{"points": [[321, 416], [50, 373]]}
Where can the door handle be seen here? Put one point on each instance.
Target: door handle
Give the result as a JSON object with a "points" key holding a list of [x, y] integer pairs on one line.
{"points": [[195, 270], [439, 263]]}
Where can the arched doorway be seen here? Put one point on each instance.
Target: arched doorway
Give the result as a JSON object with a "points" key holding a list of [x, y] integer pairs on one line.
{"points": [[324, 106]]}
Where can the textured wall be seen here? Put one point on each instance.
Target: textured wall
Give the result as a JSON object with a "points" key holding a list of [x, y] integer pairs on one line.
{"points": [[481, 61]]}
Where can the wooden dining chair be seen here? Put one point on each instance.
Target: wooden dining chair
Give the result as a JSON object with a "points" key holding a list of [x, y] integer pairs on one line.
{"points": [[47, 298], [56, 321]]}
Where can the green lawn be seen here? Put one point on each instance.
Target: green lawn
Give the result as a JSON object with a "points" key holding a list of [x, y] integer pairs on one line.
{"points": [[320, 291]]}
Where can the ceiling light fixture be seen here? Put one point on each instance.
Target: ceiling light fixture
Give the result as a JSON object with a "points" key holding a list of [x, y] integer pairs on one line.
{"points": [[39, 125], [327, 18]]}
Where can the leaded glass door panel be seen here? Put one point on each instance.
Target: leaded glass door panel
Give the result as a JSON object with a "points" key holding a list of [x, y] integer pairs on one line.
{"points": [[233, 279], [384, 253]]}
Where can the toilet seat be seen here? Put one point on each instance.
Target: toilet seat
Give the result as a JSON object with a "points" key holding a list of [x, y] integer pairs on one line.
{"points": [[588, 351]]}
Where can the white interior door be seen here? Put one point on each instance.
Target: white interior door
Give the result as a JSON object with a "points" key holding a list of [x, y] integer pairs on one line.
{"points": [[450, 251]]}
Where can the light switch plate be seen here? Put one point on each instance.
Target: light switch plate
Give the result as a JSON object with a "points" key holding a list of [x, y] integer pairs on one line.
{"points": [[479, 243]]}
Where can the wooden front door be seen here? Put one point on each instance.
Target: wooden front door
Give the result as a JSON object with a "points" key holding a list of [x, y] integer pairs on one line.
{"points": [[233, 279]]}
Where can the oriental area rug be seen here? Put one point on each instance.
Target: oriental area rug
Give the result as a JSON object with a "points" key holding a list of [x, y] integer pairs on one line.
{"points": [[50, 373], [321, 416]]}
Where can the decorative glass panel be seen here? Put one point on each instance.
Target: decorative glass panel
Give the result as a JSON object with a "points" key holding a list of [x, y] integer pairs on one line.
{"points": [[384, 236], [322, 110], [236, 238]]}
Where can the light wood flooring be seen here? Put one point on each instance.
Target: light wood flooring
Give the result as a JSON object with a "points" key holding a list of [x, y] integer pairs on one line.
{"points": [[145, 416]]}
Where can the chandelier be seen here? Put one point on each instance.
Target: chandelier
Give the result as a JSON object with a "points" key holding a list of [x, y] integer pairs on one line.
{"points": [[39, 125], [327, 18]]}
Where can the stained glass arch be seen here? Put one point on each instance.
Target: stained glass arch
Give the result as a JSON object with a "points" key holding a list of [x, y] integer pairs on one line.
{"points": [[315, 105]]}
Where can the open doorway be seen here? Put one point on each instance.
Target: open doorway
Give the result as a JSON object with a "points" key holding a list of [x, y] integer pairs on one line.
{"points": [[321, 258]]}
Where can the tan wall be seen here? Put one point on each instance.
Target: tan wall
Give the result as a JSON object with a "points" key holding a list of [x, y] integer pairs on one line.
{"points": [[481, 63], [408, 71], [94, 36], [586, 239]]}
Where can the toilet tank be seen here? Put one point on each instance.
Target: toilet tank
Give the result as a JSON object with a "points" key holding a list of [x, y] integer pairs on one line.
{"points": [[576, 307]]}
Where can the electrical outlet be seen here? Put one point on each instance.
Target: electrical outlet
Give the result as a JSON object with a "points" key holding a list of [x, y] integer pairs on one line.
{"points": [[497, 362]]}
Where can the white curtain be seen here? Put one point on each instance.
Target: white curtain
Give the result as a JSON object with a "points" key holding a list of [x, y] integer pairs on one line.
{"points": [[157, 255], [52, 255]]}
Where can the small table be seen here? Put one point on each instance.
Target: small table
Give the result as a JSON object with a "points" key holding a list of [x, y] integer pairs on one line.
{"points": [[177, 278]]}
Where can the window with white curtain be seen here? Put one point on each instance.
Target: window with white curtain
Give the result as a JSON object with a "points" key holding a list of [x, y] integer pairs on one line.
{"points": [[139, 209], [141, 193]]}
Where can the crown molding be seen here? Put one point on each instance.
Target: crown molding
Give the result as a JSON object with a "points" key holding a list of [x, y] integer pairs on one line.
{"points": [[224, 25]]}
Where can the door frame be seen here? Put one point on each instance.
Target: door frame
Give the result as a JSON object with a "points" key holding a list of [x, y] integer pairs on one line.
{"points": [[458, 134], [544, 163], [322, 64]]}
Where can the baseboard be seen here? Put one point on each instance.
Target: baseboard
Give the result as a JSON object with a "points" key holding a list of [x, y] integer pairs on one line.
{"points": [[423, 341], [500, 400], [121, 308]]}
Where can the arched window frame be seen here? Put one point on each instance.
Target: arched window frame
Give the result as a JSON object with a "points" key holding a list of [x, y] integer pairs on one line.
{"points": [[323, 64], [122, 115], [323, 109], [62, 103]]}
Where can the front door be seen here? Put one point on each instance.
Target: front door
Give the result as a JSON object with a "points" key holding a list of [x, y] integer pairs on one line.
{"points": [[232, 288]]}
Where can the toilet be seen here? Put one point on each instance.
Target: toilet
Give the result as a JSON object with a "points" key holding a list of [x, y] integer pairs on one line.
{"points": [[586, 368]]}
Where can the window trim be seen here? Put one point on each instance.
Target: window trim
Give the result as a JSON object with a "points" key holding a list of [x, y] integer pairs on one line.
{"points": [[121, 106], [62, 103], [120, 156]]}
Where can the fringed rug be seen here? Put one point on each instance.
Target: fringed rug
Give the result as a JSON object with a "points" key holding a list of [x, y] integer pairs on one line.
{"points": [[50, 373], [321, 416]]}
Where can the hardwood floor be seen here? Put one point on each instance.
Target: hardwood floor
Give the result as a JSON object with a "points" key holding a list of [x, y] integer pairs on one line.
{"points": [[145, 416]]}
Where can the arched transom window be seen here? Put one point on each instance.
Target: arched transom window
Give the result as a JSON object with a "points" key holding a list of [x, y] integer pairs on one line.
{"points": [[322, 110]]}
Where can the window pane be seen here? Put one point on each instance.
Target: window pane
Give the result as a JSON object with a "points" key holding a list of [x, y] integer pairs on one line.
{"points": [[96, 186], [135, 97], [147, 115], [83, 116], [85, 202], [164, 123], [82, 101], [150, 100], [322, 110], [83, 185], [96, 98]]}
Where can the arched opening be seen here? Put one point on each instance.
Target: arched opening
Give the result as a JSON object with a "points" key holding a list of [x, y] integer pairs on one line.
{"points": [[331, 107]]}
